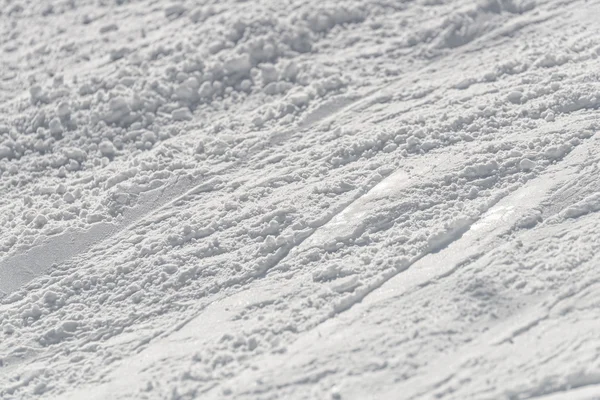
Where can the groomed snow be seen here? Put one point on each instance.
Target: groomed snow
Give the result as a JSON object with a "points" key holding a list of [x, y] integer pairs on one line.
{"points": [[299, 199]]}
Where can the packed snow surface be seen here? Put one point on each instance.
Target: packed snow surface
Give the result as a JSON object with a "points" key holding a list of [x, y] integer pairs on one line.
{"points": [[299, 199]]}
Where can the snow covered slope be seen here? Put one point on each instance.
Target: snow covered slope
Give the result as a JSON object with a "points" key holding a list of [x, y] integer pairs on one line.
{"points": [[299, 199]]}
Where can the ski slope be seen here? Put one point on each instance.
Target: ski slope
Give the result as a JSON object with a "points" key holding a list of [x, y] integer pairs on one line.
{"points": [[299, 199]]}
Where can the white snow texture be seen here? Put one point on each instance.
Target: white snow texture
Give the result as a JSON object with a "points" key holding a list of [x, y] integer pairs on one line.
{"points": [[299, 199]]}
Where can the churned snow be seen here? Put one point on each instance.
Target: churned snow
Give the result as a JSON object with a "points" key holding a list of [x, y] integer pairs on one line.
{"points": [[299, 199]]}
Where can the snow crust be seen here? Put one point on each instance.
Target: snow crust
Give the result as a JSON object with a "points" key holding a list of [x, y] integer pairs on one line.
{"points": [[299, 199]]}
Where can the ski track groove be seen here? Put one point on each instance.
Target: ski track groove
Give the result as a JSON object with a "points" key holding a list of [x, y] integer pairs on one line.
{"points": [[586, 391]]}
